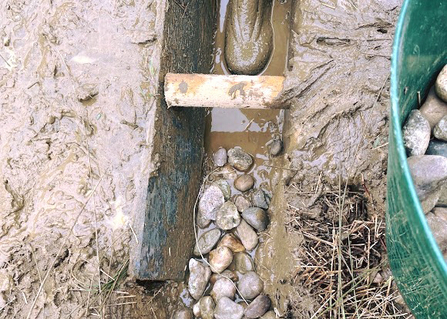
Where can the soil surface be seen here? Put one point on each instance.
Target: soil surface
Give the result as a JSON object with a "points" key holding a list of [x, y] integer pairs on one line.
{"points": [[76, 93]]}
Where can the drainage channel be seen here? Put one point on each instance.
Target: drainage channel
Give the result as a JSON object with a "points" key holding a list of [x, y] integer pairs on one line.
{"points": [[254, 132]]}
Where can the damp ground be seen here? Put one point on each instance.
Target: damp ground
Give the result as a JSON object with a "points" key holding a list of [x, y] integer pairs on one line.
{"points": [[77, 85]]}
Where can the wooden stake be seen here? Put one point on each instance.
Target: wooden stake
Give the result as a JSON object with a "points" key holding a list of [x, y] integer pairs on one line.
{"points": [[224, 91]]}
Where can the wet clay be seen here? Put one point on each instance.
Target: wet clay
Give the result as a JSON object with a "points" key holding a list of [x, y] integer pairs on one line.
{"points": [[248, 36]]}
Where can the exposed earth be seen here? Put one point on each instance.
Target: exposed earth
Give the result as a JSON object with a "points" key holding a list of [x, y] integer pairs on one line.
{"points": [[77, 86]]}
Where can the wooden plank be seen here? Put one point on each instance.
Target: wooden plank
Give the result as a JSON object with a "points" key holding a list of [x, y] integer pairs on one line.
{"points": [[165, 229], [224, 91]]}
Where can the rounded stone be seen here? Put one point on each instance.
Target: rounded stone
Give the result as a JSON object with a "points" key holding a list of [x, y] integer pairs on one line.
{"points": [[258, 307], [433, 109], [241, 203], [220, 258], [250, 285], [207, 241], [224, 274], [247, 235], [211, 200], [243, 263], [196, 309], [440, 130], [227, 216], [224, 187], [275, 147], [198, 278], [434, 148], [244, 182], [232, 242], [183, 313], [223, 288], [239, 159], [207, 306], [260, 199], [269, 315], [226, 172], [228, 309], [441, 84], [256, 217], [416, 134], [220, 157]]}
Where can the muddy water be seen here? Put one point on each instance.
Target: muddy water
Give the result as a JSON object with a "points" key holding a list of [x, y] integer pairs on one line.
{"points": [[250, 129]]}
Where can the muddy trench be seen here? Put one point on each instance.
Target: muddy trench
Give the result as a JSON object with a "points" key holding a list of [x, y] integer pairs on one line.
{"points": [[79, 89]]}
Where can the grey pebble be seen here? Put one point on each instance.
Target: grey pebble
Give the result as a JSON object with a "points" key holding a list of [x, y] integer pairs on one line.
{"points": [[276, 147], [269, 315], [441, 84], [258, 307], [247, 235], [241, 203], [436, 147], [223, 288], [416, 134], [211, 200], [198, 278], [440, 130], [224, 187], [220, 157], [433, 109], [250, 285], [260, 199], [207, 241], [243, 263], [227, 216], [239, 159], [183, 313], [256, 217], [228, 309]]}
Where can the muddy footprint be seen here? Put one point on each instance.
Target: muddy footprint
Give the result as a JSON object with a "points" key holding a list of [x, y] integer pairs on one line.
{"points": [[248, 36]]}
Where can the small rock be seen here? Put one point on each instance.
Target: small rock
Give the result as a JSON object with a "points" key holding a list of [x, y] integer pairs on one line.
{"points": [[227, 216], [239, 159], [247, 235], [416, 134], [258, 307], [243, 263], [429, 173], [241, 203], [224, 187], [256, 217], [250, 285], [207, 306], [228, 309], [207, 241], [269, 315], [260, 199], [220, 157], [435, 147], [220, 259], [244, 182], [230, 241], [440, 130], [196, 309], [198, 278], [441, 84], [223, 288], [276, 147], [211, 200], [227, 172], [433, 109], [437, 220], [183, 313], [224, 274]]}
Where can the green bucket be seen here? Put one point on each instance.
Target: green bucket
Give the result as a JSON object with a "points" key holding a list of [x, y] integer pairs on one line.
{"points": [[419, 53]]}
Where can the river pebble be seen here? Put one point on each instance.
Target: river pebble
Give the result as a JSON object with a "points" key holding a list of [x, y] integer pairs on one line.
{"points": [[243, 263], [207, 306], [260, 199], [228, 309], [211, 200], [256, 217], [429, 173], [224, 187], [258, 307], [275, 147], [226, 172], [244, 182], [224, 274], [227, 216], [440, 130], [433, 109], [250, 285], [247, 235], [220, 258], [416, 134], [269, 315], [220, 157], [223, 288], [239, 159], [241, 203], [232, 242], [437, 220], [198, 278], [182, 313], [441, 84], [436, 147], [207, 241]]}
